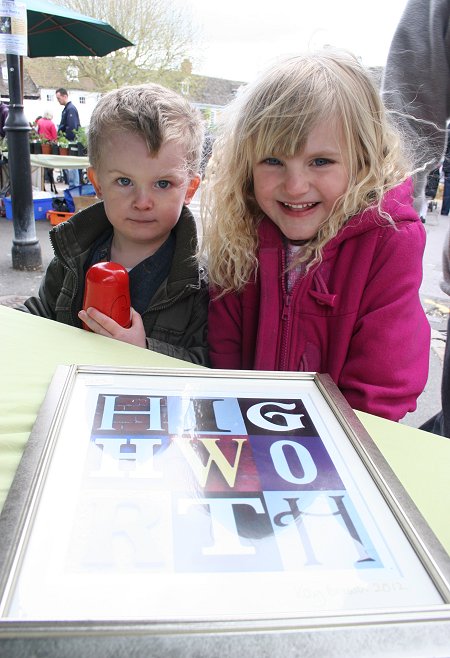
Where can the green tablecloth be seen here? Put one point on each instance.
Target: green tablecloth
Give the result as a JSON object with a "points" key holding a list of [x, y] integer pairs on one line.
{"points": [[32, 347]]}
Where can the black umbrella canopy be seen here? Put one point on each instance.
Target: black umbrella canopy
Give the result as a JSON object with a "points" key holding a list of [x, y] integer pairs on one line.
{"points": [[54, 30]]}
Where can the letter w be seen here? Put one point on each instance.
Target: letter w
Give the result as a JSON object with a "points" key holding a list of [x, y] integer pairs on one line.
{"points": [[201, 471]]}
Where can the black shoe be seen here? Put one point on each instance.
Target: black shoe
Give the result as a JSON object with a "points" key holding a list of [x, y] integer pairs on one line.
{"points": [[422, 219]]}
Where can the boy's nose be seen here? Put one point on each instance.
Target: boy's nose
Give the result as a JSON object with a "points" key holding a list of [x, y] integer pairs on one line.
{"points": [[143, 199]]}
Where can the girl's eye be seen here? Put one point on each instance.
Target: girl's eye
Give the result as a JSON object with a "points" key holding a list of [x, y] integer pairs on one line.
{"points": [[320, 162], [163, 184], [272, 161], [124, 182]]}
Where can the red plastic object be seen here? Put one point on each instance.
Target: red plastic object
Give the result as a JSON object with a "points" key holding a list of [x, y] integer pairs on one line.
{"points": [[107, 289]]}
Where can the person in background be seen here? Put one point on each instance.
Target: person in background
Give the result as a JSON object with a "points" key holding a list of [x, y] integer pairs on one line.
{"points": [[416, 86], [47, 129], [70, 122], [440, 422], [145, 144], [445, 208], [45, 126], [4, 165], [4, 111], [314, 249], [431, 189]]}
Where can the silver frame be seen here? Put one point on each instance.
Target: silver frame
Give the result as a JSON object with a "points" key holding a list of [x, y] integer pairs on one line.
{"points": [[424, 632]]}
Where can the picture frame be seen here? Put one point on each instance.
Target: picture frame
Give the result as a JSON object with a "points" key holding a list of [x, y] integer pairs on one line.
{"points": [[212, 512]]}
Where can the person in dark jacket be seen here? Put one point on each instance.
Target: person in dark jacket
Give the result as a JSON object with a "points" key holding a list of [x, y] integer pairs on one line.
{"points": [[70, 122], [4, 111], [145, 144]]}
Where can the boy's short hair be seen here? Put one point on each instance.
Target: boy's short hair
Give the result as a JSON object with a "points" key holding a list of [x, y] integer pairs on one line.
{"points": [[62, 91], [152, 111]]}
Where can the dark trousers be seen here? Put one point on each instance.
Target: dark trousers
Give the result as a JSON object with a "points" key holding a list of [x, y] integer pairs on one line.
{"points": [[432, 185], [446, 197], [440, 423]]}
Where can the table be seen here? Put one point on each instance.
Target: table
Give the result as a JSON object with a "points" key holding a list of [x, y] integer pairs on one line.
{"points": [[41, 162], [32, 347], [58, 161]]}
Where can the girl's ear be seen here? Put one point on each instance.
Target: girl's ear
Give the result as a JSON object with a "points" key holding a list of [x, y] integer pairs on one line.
{"points": [[92, 175], [191, 189]]}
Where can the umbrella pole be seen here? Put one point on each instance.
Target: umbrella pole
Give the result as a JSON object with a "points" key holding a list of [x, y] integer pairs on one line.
{"points": [[26, 250]]}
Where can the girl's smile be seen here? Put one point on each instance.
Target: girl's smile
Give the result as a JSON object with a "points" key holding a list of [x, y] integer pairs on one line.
{"points": [[298, 193]]}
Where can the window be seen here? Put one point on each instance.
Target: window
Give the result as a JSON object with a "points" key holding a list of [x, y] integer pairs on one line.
{"points": [[72, 73], [82, 100]]}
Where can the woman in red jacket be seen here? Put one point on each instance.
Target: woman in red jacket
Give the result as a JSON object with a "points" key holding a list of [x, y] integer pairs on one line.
{"points": [[45, 126], [314, 249]]}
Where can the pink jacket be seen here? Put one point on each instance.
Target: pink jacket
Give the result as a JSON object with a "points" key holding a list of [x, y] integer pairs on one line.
{"points": [[357, 315], [46, 128]]}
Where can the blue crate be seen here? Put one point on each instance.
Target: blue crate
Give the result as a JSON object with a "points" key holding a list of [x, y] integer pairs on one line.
{"points": [[87, 189], [41, 206]]}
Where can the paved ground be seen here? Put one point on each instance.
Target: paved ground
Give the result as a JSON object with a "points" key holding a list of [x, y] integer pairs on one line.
{"points": [[16, 285]]}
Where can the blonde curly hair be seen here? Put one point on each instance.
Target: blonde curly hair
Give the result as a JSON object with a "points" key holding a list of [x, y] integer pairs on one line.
{"points": [[274, 115]]}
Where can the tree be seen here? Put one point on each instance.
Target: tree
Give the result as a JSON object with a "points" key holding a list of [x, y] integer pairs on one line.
{"points": [[161, 30]]}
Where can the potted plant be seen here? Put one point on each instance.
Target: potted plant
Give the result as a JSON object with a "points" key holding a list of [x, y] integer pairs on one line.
{"points": [[37, 146], [73, 148], [46, 146], [35, 142], [63, 144], [81, 137]]}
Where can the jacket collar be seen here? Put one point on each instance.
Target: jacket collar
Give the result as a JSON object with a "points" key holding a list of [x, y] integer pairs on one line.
{"points": [[74, 238]]}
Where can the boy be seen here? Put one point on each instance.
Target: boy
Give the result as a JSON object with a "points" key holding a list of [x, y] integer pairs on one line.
{"points": [[145, 144]]}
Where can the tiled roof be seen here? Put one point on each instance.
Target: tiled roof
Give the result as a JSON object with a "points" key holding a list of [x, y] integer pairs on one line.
{"points": [[31, 90], [50, 73], [214, 91]]}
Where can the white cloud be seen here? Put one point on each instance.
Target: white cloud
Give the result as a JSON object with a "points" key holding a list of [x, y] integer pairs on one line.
{"points": [[241, 37]]}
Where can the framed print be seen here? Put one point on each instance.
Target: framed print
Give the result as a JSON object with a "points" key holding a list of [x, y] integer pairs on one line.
{"points": [[212, 513]]}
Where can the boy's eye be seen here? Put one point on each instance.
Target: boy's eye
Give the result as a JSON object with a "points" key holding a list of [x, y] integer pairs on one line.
{"points": [[320, 162], [163, 184], [124, 182]]}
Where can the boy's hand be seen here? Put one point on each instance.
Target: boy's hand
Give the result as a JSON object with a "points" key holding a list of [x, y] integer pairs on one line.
{"points": [[102, 324]]}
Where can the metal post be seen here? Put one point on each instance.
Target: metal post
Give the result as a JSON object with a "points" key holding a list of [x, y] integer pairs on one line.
{"points": [[26, 250]]}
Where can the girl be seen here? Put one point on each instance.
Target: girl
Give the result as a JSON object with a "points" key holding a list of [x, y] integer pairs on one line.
{"points": [[314, 249]]}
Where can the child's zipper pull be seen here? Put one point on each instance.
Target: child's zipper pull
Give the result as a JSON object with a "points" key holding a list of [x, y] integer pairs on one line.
{"points": [[287, 303]]}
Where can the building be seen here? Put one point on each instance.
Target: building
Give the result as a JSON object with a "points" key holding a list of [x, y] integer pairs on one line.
{"points": [[42, 76]]}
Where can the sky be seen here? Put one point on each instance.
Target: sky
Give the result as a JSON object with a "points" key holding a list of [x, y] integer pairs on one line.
{"points": [[239, 38]]}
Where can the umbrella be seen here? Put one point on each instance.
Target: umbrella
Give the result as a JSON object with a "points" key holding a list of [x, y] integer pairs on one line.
{"points": [[55, 30], [52, 30]]}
